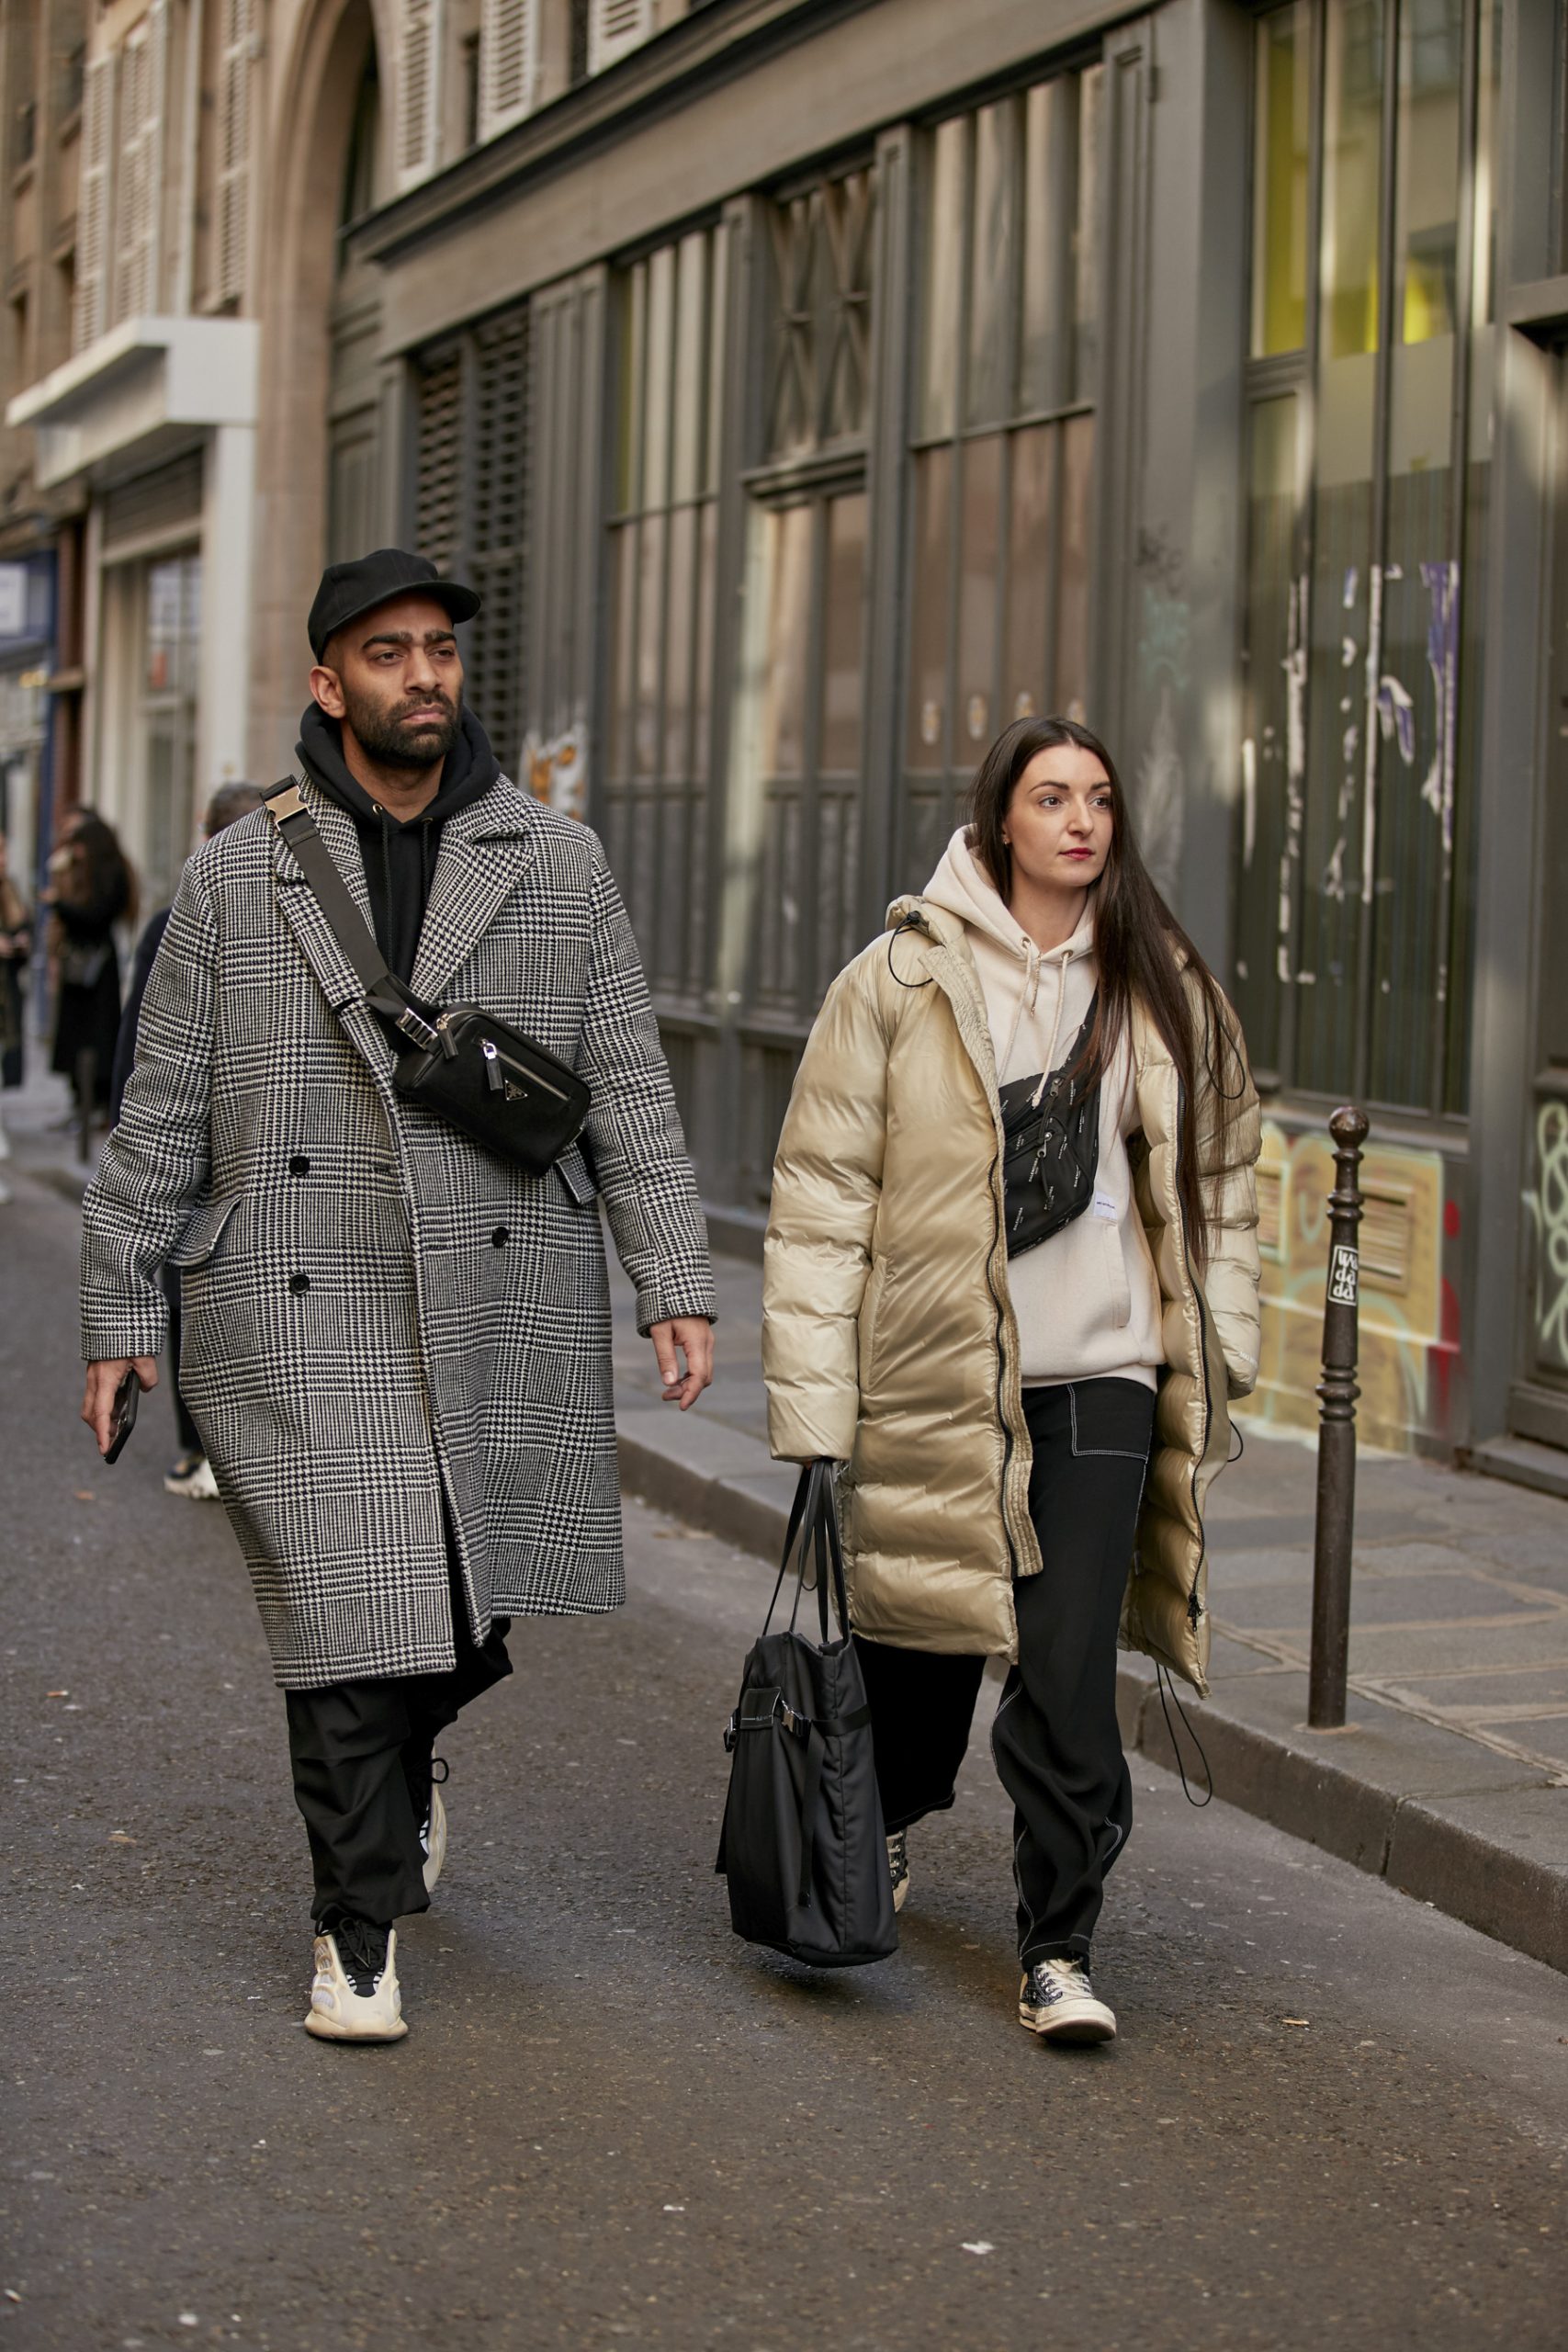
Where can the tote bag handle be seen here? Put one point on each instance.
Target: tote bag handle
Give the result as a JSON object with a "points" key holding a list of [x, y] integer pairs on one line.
{"points": [[814, 1526]]}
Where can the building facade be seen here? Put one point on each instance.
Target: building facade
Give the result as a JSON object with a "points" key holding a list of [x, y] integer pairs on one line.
{"points": [[812, 385]]}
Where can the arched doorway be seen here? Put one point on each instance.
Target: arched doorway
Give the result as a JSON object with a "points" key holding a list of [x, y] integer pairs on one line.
{"points": [[318, 466]]}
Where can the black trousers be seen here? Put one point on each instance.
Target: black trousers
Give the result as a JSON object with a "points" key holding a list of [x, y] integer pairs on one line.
{"points": [[1056, 1741], [361, 1754]]}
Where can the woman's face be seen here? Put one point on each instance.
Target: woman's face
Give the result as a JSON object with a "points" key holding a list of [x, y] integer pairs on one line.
{"points": [[1060, 822]]}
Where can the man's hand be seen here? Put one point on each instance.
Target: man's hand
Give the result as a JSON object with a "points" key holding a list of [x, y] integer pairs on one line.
{"points": [[103, 1379], [690, 1335]]}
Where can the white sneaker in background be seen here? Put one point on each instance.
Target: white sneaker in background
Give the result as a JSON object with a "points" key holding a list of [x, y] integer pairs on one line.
{"points": [[433, 1837], [898, 1866], [192, 1476], [354, 1996], [1056, 2001]]}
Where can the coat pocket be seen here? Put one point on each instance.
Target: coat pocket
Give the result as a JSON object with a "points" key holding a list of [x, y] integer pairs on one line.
{"points": [[202, 1234]]}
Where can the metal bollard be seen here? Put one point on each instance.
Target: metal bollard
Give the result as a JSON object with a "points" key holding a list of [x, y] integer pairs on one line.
{"points": [[1338, 1393]]}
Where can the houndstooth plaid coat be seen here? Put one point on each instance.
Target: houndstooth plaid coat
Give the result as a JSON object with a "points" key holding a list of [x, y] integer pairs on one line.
{"points": [[380, 1319]]}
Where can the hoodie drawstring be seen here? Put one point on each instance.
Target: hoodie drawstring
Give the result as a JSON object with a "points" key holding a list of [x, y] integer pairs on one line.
{"points": [[1061, 959], [1027, 996]]}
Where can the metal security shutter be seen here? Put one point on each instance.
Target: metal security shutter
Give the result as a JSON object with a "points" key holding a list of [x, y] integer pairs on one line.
{"points": [[438, 493], [497, 538], [90, 311], [471, 504], [615, 27], [232, 240], [419, 90], [509, 58]]}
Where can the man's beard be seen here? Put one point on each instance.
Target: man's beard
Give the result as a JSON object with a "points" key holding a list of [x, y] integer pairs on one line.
{"points": [[380, 733]]}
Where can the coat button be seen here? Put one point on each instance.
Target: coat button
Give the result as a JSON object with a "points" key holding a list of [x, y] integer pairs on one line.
{"points": [[298, 1165], [299, 1283], [499, 1238]]}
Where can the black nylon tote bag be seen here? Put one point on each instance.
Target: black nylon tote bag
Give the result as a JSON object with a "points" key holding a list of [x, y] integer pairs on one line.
{"points": [[803, 1845]]}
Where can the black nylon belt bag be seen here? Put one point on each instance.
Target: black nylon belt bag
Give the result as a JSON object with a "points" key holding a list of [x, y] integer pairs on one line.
{"points": [[1051, 1148], [473, 1069], [803, 1845]]}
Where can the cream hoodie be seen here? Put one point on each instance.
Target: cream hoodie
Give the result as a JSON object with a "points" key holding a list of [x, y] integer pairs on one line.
{"points": [[1087, 1301]]}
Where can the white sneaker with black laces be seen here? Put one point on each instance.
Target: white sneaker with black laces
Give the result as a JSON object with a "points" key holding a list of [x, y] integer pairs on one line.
{"points": [[898, 1866], [354, 1996], [1056, 2001]]}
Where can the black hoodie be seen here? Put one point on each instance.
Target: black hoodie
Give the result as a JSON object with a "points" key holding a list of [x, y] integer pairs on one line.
{"points": [[400, 859]]}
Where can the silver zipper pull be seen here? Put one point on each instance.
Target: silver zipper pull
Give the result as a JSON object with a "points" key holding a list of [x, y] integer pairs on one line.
{"points": [[492, 1066]]}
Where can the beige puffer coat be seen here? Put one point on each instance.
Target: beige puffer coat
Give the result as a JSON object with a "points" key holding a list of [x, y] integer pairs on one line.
{"points": [[888, 1338]]}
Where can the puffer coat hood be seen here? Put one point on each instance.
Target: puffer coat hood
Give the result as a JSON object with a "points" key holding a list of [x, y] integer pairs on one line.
{"points": [[889, 1340]]}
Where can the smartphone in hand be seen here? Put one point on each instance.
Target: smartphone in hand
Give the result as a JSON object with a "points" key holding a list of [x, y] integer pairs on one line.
{"points": [[122, 1420]]}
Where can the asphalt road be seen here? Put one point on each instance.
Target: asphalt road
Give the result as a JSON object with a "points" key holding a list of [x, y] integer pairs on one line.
{"points": [[1334, 2117]]}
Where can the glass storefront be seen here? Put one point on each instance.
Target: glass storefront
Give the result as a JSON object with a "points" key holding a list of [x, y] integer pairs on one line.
{"points": [[1366, 485]]}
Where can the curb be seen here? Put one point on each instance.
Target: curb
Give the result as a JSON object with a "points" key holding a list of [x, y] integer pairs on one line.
{"points": [[1448, 1823]]}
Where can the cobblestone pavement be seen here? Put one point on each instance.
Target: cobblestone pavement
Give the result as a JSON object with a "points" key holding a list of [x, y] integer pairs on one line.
{"points": [[1334, 2116]]}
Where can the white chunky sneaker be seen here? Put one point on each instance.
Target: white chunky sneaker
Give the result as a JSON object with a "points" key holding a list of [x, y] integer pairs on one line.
{"points": [[898, 1866], [433, 1837], [192, 1477], [354, 1997], [1056, 2001]]}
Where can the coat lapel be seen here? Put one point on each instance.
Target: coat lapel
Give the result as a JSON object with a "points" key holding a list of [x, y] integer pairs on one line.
{"points": [[485, 852]]}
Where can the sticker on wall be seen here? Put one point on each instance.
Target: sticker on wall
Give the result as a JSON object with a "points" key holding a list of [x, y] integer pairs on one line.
{"points": [[975, 716], [1025, 706], [556, 771], [930, 721]]}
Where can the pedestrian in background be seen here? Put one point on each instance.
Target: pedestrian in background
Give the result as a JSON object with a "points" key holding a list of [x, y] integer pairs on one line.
{"points": [[90, 888], [190, 1474], [15, 946], [1012, 1281], [397, 1344]]}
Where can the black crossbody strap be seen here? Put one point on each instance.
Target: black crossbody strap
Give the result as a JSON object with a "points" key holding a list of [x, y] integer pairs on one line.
{"points": [[286, 807]]}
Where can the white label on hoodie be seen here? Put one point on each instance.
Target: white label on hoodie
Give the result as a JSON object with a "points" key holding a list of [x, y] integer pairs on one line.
{"points": [[1105, 1208]]}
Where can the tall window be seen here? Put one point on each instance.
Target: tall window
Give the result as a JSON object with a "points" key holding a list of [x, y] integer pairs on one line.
{"points": [[1367, 484], [1003, 440], [664, 543], [470, 507]]}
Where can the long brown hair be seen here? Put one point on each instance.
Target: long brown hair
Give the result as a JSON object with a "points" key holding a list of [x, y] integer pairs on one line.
{"points": [[1141, 951]]}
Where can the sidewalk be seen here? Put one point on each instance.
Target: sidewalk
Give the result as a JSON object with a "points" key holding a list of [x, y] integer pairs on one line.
{"points": [[1451, 1777]]}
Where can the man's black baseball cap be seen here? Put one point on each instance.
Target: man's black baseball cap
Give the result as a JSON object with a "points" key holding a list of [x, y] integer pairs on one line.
{"points": [[349, 589]]}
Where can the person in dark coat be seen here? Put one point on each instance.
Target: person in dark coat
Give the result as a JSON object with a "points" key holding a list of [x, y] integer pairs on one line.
{"points": [[15, 946], [90, 889], [191, 1473], [397, 1343]]}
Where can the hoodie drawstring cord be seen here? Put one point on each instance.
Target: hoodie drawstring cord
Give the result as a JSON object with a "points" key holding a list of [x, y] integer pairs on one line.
{"points": [[1062, 959], [1027, 996]]}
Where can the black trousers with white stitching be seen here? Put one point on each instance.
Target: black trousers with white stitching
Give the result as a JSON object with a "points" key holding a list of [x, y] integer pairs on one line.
{"points": [[1056, 1741], [360, 1752]]}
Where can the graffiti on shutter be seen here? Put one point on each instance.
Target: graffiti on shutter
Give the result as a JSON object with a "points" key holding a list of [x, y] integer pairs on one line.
{"points": [[231, 245], [497, 535], [439, 460], [90, 311], [509, 42], [615, 27], [419, 90]]}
